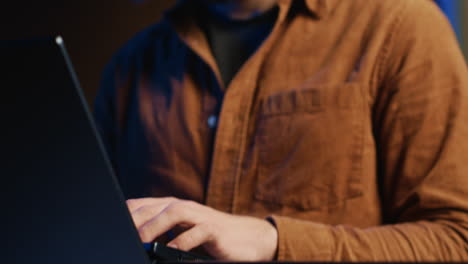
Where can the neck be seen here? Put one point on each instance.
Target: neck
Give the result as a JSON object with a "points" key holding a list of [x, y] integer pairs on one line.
{"points": [[239, 9]]}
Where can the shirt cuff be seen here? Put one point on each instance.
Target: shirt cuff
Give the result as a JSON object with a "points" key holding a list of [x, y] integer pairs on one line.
{"points": [[300, 240]]}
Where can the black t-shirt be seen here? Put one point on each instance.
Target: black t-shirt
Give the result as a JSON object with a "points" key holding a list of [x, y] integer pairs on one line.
{"points": [[234, 41]]}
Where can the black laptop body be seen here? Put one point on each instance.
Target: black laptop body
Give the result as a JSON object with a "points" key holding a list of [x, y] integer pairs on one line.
{"points": [[61, 201]]}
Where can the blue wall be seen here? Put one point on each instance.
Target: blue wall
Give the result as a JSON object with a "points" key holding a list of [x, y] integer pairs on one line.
{"points": [[452, 9]]}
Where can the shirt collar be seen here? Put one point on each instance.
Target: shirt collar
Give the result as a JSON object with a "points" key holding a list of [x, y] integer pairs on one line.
{"points": [[320, 8]]}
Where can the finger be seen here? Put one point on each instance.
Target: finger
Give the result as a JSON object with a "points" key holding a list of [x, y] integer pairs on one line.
{"points": [[144, 214], [134, 204], [181, 213], [192, 238]]}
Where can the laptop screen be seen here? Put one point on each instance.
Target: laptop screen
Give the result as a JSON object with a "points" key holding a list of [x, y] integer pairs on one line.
{"points": [[61, 200]]}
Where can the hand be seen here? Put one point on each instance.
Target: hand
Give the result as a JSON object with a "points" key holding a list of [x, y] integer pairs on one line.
{"points": [[223, 236]]}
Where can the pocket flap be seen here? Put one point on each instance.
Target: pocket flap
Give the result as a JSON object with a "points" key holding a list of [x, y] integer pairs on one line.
{"points": [[308, 100]]}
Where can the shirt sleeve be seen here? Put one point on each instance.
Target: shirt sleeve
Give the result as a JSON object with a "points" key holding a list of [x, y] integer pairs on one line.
{"points": [[421, 132]]}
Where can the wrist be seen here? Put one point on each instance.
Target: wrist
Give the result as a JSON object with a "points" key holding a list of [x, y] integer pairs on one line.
{"points": [[272, 239]]}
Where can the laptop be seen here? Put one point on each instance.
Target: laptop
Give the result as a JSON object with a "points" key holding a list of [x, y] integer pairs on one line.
{"points": [[61, 200]]}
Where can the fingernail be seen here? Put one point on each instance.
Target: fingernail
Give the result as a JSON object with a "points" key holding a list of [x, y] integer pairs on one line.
{"points": [[172, 245]]}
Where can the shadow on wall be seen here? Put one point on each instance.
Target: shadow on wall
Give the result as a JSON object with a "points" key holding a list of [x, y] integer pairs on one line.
{"points": [[93, 30]]}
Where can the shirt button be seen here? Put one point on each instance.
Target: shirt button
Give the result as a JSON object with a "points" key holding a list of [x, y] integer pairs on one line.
{"points": [[212, 121]]}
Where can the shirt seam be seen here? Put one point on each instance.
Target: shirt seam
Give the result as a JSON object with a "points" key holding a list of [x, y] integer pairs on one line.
{"points": [[386, 49]]}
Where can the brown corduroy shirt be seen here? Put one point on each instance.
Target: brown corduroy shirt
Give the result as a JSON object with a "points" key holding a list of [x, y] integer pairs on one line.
{"points": [[349, 126]]}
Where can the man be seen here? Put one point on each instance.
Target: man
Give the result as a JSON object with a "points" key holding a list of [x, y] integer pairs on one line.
{"points": [[294, 130]]}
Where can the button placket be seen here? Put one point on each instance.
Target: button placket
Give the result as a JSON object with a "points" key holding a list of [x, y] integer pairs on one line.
{"points": [[232, 124], [212, 121]]}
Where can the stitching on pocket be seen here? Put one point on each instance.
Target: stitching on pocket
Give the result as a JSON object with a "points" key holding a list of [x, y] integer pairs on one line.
{"points": [[294, 101], [297, 103]]}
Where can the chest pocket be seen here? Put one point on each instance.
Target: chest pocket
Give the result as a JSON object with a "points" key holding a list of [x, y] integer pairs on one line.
{"points": [[310, 146]]}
